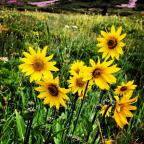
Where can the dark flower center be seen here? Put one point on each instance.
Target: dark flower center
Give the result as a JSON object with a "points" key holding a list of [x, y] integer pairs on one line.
{"points": [[96, 73], [124, 88], [38, 65], [53, 90], [77, 70], [79, 82], [112, 43]]}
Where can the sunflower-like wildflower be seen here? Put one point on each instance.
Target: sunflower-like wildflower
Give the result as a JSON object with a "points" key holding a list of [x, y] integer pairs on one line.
{"points": [[76, 67], [78, 84], [111, 44], [123, 109], [51, 92], [104, 108], [125, 88], [36, 64], [101, 74]]}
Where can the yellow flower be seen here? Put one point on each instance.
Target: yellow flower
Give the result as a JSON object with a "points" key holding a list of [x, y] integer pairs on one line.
{"points": [[3, 28], [51, 92], [101, 73], [111, 43], [76, 67], [36, 33], [122, 109], [37, 64], [104, 109], [125, 88], [108, 141], [78, 84]]}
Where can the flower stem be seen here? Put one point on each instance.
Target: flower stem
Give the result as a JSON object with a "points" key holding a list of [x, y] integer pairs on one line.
{"points": [[27, 134], [68, 122], [101, 135], [48, 137], [102, 121], [80, 108], [31, 111], [95, 115], [89, 132]]}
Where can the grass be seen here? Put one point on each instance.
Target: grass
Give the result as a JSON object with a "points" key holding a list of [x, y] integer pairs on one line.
{"points": [[69, 37]]}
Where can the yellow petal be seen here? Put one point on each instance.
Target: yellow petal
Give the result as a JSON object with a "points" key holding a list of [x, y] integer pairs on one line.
{"points": [[57, 80], [101, 83], [92, 62], [31, 50], [119, 31], [47, 75], [108, 63], [62, 102], [40, 89], [44, 51], [112, 69], [27, 55], [38, 51], [109, 78], [42, 95], [46, 100], [57, 104], [118, 120], [51, 66], [49, 57], [123, 118], [113, 30], [103, 33], [130, 107], [127, 113], [101, 39], [122, 37], [27, 61]]}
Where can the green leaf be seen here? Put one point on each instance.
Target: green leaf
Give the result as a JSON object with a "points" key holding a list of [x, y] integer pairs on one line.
{"points": [[56, 140], [20, 125]]}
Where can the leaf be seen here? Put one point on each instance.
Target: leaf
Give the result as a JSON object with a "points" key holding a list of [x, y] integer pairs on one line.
{"points": [[20, 125], [56, 140]]}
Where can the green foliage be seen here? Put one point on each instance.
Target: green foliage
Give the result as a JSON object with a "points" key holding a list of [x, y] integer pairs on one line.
{"points": [[20, 125]]}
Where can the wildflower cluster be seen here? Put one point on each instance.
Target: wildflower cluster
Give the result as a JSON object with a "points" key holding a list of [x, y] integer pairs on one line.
{"points": [[40, 68], [100, 73]]}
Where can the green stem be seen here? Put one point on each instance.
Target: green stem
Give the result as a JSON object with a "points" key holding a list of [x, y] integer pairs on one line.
{"points": [[47, 109], [68, 122], [48, 137], [89, 132], [95, 115], [102, 121], [80, 108], [26, 140]]}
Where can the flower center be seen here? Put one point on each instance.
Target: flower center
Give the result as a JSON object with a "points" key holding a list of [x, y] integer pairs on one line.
{"points": [[77, 70], [38, 65], [53, 90], [96, 73], [112, 43], [79, 82], [124, 88]]}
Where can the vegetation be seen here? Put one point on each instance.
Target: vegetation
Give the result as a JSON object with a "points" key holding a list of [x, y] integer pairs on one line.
{"points": [[69, 37]]}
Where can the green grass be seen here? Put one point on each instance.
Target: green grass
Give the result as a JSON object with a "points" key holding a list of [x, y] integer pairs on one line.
{"points": [[67, 45]]}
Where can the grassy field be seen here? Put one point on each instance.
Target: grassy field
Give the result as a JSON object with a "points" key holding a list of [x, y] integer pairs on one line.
{"points": [[69, 37]]}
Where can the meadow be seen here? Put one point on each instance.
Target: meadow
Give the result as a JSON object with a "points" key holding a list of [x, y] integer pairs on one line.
{"points": [[69, 37]]}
